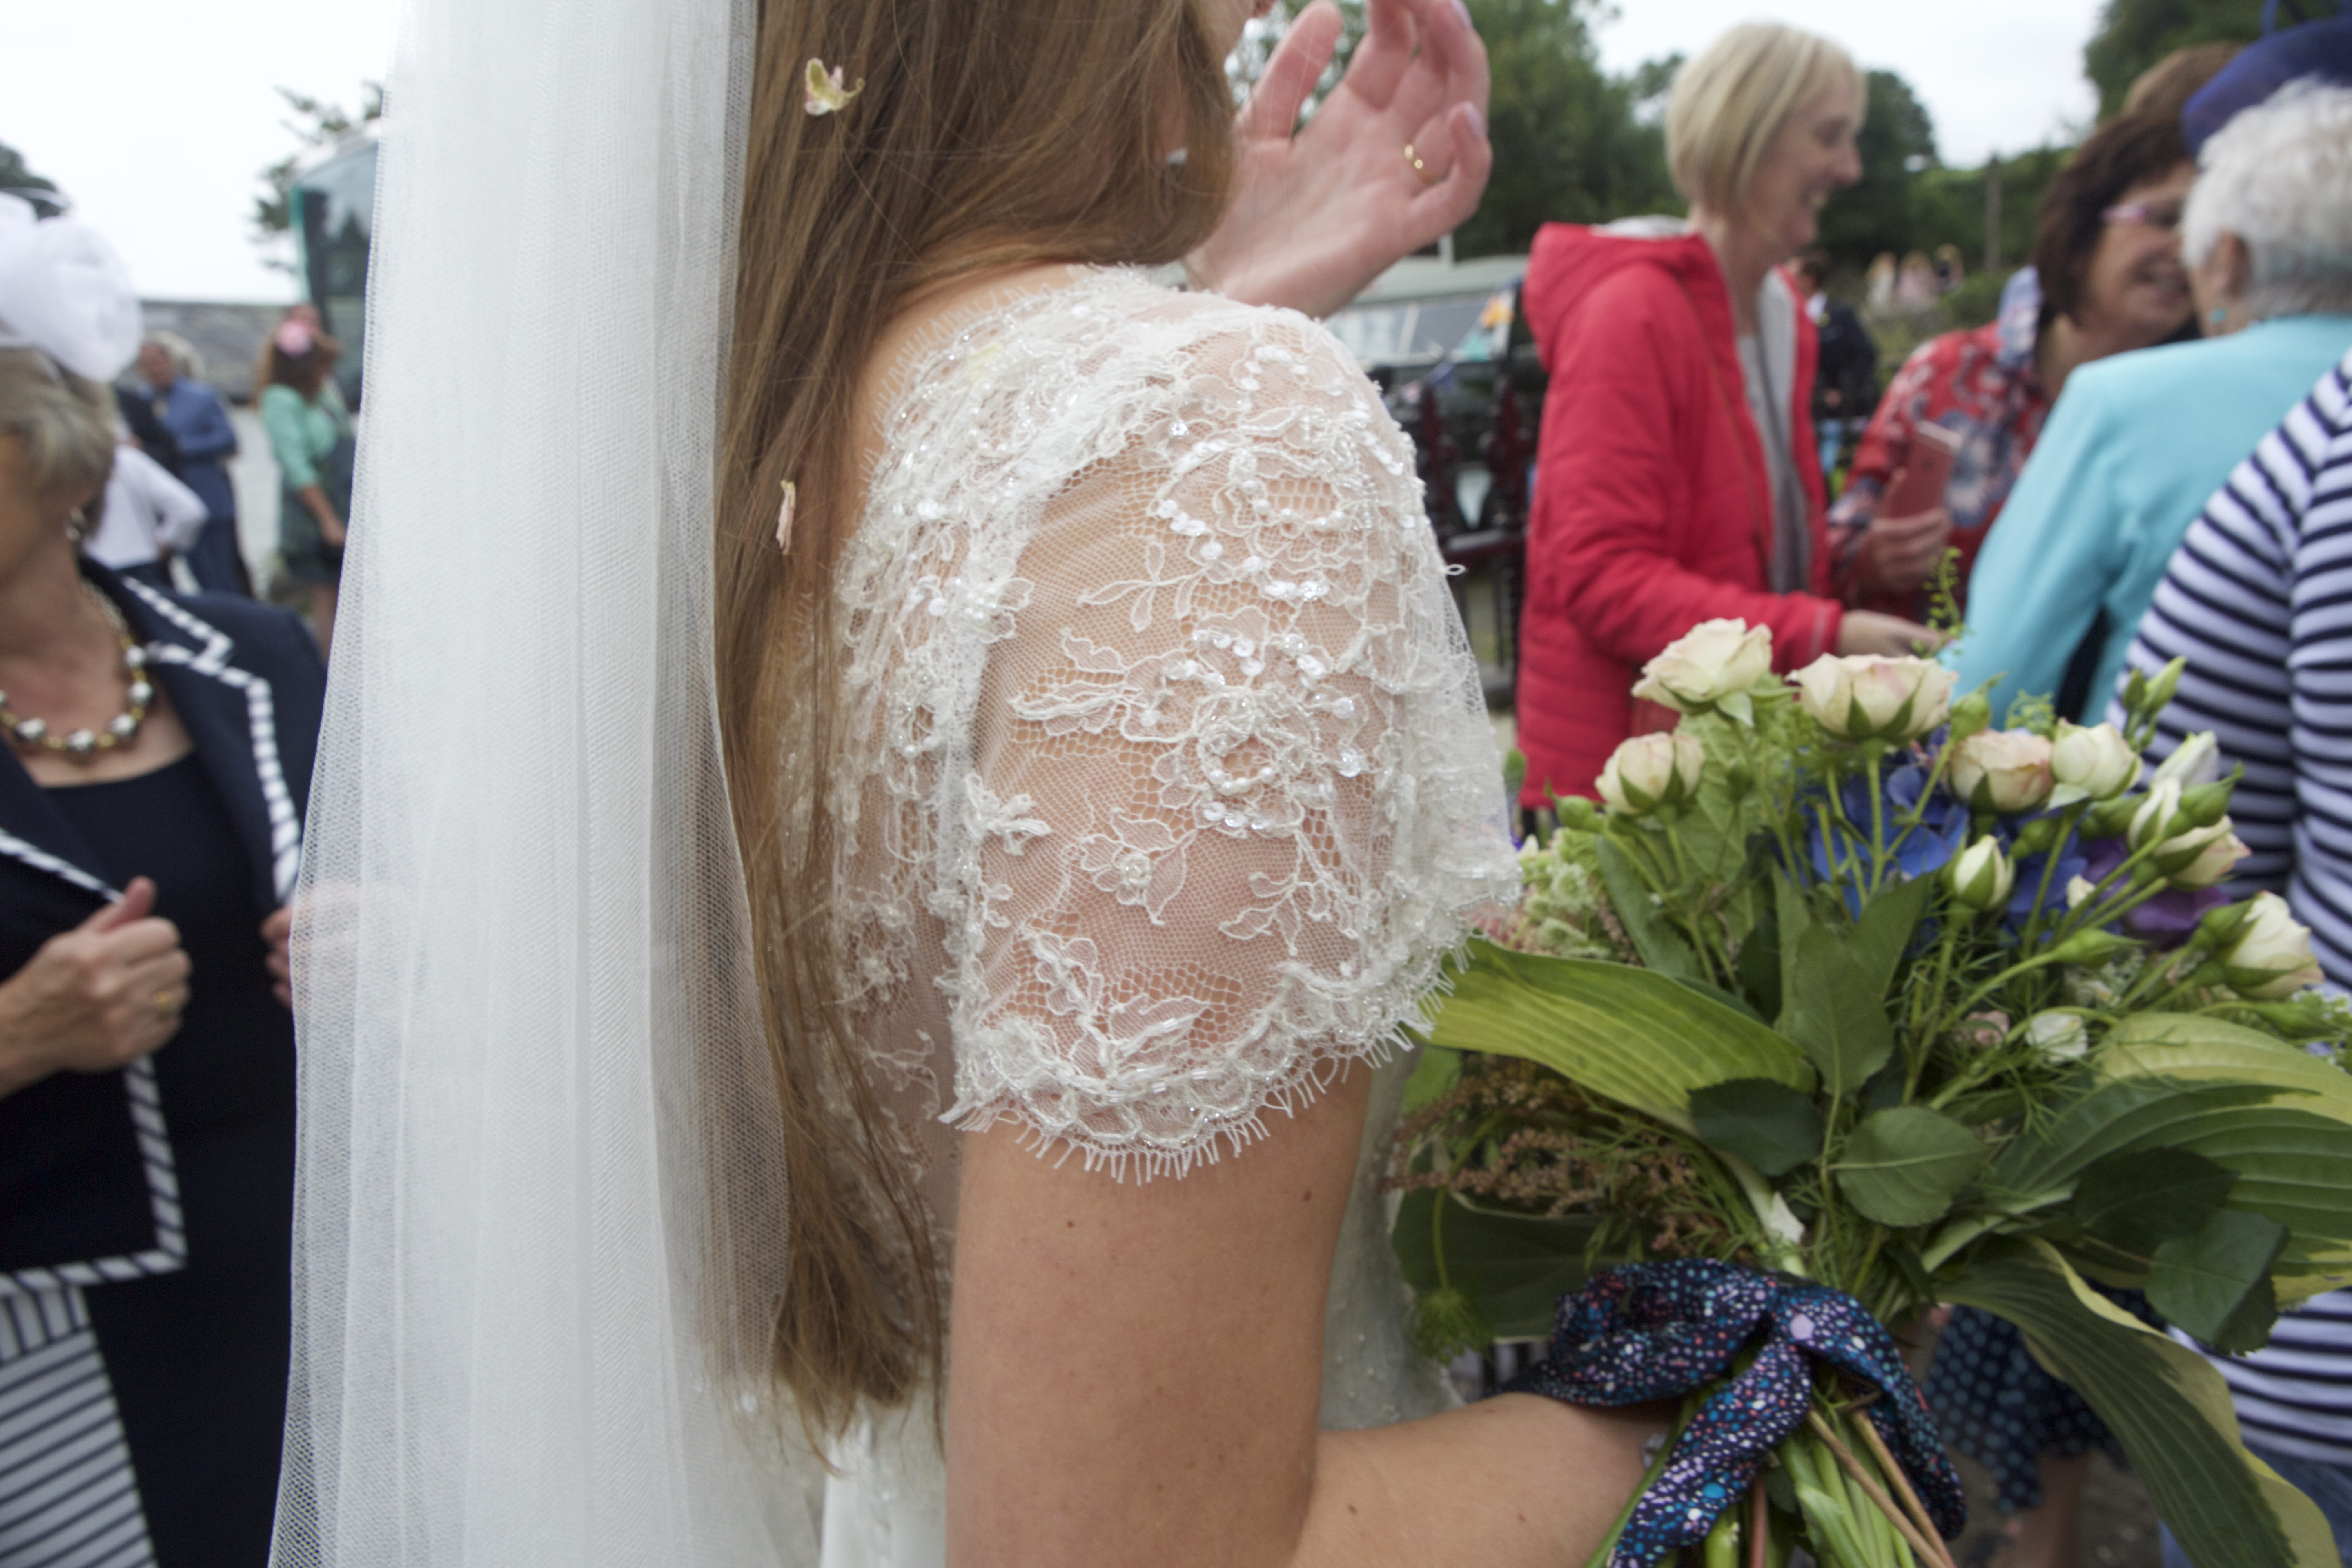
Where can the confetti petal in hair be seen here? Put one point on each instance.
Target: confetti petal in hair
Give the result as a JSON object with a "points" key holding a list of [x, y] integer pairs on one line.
{"points": [[826, 93], [784, 517]]}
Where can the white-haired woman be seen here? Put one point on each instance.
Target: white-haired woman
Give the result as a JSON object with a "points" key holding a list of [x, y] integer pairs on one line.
{"points": [[1679, 479], [2138, 443]]}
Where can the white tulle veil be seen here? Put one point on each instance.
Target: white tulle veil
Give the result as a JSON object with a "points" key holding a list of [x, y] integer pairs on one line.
{"points": [[528, 1313]]}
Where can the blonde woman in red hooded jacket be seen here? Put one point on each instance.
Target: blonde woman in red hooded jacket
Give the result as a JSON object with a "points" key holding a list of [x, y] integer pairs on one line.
{"points": [[1677, 479]]}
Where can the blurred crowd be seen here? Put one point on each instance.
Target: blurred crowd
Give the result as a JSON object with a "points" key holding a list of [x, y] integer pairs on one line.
{"points": [[2145, 456]]}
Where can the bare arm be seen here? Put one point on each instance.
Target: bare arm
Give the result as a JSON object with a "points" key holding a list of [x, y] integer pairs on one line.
{"points": [[1138, 1367]]}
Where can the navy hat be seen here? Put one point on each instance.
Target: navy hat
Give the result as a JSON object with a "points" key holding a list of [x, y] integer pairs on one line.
{"points": [[2321, 49]]}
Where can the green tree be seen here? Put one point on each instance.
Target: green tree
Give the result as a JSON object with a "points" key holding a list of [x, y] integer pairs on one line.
{"points": [[315, 123], [2135, 34], [17, 176], [1897, 145], [1569, 144]]}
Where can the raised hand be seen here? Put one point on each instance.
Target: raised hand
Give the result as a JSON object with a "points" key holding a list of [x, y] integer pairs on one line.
{"points": [[1317, 217]]}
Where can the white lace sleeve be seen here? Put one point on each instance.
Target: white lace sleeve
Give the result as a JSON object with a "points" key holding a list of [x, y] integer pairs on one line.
{"points": [[1232, 789]]}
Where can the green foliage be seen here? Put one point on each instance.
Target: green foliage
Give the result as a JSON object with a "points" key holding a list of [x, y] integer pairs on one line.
{"points": [[1629, 1035], [2217, 1283], [2169, 1407], [314, 122], [1569, 145], [1835, 1014], [2135, 34], [1514, 1267], [1896, 144], [17, 176], [1905, 1165], [1771, 1125], [2140, 1200]]}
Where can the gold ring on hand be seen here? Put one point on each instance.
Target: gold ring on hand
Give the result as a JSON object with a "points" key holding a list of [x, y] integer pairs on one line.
{"points": [[167, 1004], [1427, 178]]}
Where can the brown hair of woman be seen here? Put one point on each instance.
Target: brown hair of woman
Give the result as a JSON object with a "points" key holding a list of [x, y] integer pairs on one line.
{"points": [[989, 133]]}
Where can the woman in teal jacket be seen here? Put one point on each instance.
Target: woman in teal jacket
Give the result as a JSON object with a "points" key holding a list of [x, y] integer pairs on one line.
{"points": [[2138, 443], [311, 435]]}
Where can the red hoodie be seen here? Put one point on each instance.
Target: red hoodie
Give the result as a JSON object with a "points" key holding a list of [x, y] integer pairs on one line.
{"points": [[1653, 507]]}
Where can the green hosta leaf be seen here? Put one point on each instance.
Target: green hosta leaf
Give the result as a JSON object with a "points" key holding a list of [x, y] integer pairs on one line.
{"points": [[1628, 1034], [2140, 1200], [1661, 947], [1834, 1014], [2171, 1045], [1723, 998], [2216, 1283], [2164, 1401], [1766, 1122], [1513, 1267], [1903, 1166]]}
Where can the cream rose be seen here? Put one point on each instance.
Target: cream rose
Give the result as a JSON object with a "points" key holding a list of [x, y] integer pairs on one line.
{"points": [[2002, 769], [2094, 763], [1711, 665], [1651, 771], [2272, 956], [1864, 697]]}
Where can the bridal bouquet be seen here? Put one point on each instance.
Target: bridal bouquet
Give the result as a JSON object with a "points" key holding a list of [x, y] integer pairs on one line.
{"points": [[1845, 1004]]}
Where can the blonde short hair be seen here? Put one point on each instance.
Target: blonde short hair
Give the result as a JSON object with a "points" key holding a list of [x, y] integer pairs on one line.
{"points": [[65, 423], [1729, 103]]}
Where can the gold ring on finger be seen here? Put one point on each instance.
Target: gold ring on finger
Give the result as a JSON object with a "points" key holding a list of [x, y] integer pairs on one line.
{"points": [[167, 1002], [1427, 177]]}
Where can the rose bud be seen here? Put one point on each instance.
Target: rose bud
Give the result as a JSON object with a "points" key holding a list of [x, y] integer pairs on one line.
{"points": [[2059, 1037], [1980, 876], [1651, 771], [2212, 864], [1711, 665], [2094, 763], [2272, 956], [2002, 769], [1970, 715], [2196, 761]]}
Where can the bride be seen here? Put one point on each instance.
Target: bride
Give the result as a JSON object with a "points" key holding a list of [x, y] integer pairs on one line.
{"points": [[873, 1044]]}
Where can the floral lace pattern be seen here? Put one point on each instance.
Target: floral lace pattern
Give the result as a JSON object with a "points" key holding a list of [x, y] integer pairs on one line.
{"points": [[1168, 781]]}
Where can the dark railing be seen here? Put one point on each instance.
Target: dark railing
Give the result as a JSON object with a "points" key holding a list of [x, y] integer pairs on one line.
{"points": [[1474, 427]]}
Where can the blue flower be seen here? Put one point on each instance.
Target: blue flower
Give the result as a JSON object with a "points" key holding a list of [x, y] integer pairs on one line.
{"points": [[1917, 848]]}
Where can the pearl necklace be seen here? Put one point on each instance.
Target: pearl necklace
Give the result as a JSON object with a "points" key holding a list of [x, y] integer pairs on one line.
{"points": [[33, 735]]}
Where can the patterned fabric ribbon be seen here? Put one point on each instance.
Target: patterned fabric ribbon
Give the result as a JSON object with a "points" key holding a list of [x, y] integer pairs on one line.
{"points": [[1657, 1330]]}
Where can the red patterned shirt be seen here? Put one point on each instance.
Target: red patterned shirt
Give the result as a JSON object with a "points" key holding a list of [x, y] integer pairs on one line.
{"points": [[1982, 385]]}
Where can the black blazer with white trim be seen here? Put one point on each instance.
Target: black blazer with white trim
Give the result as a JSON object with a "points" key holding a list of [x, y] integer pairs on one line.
{"points": [[86, 1189]]}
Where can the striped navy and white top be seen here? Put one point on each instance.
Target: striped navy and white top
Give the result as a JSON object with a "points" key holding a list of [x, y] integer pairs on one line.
{"points": [[2258, 599]]}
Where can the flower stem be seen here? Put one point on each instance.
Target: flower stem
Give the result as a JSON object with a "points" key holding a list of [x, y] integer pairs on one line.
{"points": [[1933, 1556], [1657, 1467], [1894, 1472]]}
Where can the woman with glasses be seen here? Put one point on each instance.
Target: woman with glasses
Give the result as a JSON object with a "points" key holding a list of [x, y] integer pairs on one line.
{"points": [[2138, 445], [2107, 285]]}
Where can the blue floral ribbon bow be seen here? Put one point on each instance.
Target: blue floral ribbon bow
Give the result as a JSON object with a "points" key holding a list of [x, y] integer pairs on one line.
{"points": [[1657, 1330]]}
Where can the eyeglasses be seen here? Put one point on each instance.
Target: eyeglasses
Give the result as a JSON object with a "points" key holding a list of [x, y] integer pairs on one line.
{"points": [[2144, 215]]}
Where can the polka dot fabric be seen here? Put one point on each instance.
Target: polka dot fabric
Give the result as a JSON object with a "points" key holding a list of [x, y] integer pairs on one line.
{"points": [[1658, 1331]]}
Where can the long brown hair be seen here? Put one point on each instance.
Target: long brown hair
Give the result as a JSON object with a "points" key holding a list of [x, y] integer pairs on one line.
{"points": [[989, 133]]}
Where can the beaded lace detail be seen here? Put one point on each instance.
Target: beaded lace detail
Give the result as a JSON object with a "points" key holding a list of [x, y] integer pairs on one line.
{"points": [[1170, 783]]}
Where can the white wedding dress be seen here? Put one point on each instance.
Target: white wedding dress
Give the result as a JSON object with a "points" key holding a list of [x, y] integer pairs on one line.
{"points": [[1170, 782], [1171, 789]]}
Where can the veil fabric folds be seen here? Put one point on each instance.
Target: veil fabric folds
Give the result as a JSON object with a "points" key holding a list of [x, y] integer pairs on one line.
{"points": [[541, 1205]]}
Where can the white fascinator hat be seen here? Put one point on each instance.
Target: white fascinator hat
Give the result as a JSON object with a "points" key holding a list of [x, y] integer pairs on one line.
{"points": [[64, 291]]}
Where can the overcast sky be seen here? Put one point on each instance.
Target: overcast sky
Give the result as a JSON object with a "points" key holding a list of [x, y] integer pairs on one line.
{"points": [[156, 115]]}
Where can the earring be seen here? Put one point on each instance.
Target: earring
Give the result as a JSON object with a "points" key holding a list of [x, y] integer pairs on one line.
{"points": [[77, 525], [2218, 314]]}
